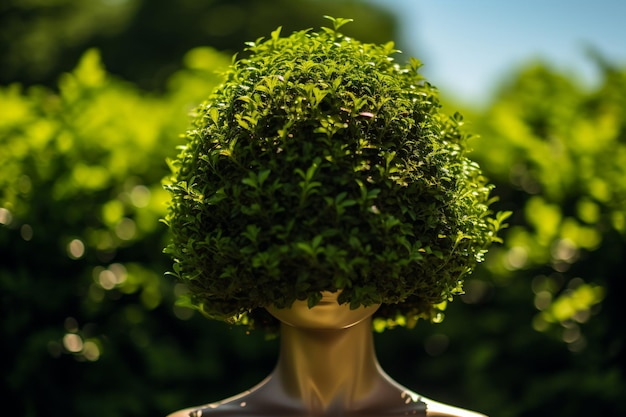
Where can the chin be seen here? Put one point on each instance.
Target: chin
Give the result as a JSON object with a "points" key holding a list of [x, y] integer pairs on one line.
{"points": [[328, 314]]}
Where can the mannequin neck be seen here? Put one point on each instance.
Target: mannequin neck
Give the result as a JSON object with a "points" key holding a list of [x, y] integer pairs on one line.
{"points": [[328, 368]]}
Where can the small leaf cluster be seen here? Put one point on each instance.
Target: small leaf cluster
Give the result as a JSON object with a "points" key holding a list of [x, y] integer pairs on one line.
{"points": [[321, 164]]}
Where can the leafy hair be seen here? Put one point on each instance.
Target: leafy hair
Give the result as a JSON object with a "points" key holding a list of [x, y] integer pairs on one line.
{"points": [[321, 164]]}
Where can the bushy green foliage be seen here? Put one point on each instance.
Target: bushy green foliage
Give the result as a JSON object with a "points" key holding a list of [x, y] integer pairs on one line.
{"points": [[557, 153], [563, 150], [322, 164], [81, 270]]}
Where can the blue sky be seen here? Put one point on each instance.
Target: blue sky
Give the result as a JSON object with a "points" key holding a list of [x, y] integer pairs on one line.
{"points": [[469, 46]]}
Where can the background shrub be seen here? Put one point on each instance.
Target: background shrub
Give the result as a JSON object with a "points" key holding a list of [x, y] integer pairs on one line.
{"points": [[554, 149]]}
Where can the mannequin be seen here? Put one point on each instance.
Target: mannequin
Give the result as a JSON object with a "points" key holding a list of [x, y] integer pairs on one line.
{"points": [[322, 173], [326, 367]]}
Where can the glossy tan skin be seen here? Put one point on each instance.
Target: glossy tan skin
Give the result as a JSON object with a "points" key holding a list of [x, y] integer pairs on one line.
{"points": [[327, 367]]}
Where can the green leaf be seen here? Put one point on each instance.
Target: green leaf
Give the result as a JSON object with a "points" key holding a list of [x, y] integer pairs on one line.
{"points": [[338, 22]]}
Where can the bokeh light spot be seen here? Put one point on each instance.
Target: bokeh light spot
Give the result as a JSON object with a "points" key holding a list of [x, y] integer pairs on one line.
{"points": [[95, 293], [107, 279], [111, 277], [24, 184], [183, 313], [540, 323], [73, 342], [126, 229], [140, 196], [5, 216], [26, 231], [71, 325], [516, 258], [543, 299], [564, 250], [571, 334], [76, 249], [91, 351]]}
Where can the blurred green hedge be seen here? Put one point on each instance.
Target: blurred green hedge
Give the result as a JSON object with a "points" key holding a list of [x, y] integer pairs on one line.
{"points": [[89, 325], [556, 150], [539, 331], [142, 40], [85, 308]]}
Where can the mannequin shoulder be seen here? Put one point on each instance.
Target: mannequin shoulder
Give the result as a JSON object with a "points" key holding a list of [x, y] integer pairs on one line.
{"points": [[183, 413], [435, 409], [208, 410], [236, 406]]}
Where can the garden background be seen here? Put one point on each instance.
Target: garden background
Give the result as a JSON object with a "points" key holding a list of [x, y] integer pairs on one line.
{"points": [[93, 99]]}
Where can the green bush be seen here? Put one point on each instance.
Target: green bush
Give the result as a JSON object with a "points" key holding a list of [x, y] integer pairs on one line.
{"points": [[564, 152], [539, 329], [557, 153], [39, 40], [322, 165], [81, 271]]}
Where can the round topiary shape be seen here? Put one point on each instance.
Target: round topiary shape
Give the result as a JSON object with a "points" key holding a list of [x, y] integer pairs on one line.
{"points": [[321, 164]]}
